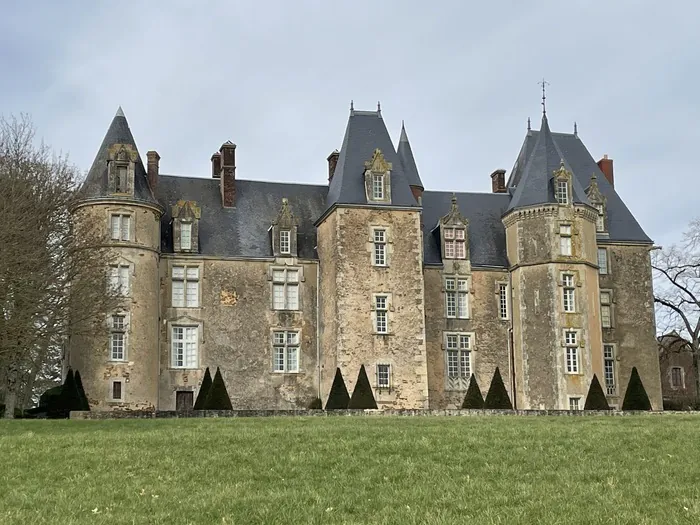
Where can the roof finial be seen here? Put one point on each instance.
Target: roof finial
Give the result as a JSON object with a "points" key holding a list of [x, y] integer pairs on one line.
{"points": [[379, 107], [528, 124], [454, 201], [544, 96], [120, 112], [575, 129], [352, 105]]}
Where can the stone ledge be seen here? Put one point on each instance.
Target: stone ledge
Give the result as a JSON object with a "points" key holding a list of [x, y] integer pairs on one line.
{"points": [[172, 414]]}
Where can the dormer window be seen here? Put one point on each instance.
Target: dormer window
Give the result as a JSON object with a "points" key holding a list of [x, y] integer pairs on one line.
{"points": [[377, 186], [186, 215], [455, 243], [120, 179], [600, 219], [563, 192], [378, 178], [185, 235], [120, 166], [283, 232], [598, 201], [285, 246]]}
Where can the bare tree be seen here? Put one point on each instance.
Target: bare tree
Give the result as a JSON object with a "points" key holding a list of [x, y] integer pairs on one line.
{"points": [[677, 294], [52, 267]]}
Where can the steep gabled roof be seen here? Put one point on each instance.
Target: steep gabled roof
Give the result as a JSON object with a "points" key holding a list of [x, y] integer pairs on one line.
{"points": [[96, 183], [366, 132], [408, 163], [535, 183]]}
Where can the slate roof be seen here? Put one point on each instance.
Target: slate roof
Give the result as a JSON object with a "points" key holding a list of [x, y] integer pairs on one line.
{"points": [[242, 231], [621, 224], [408, 163], [96, 184], [535, 184], [365, 132]]}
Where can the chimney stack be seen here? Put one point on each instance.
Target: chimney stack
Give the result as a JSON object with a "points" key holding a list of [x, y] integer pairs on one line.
{"points": [[498, 181], [216, 165], [152, 161], [332, 163], [606, 166], [228, 174]]}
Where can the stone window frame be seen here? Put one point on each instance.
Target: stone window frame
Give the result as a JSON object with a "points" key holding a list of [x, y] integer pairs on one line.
{"points": [[184, 322], [271, 278], [610, 389], [466, 292], [389, 310], [378, 375], [574, 284], [186, 247], [118, 289], [566, 232], [274, 345], [387, 244], [607, 260], [377, 168], [568, 346], [503, 299], [681, 386], [455, 239], [610, 304], [123, 330], [285, 241], [578, 404], [121, 213], [110, 393], [187, 265], [459, 382], [121, 156], [600, 217]]}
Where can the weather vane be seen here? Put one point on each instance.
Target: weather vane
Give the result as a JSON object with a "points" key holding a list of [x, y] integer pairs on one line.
{"points": [[544, 95]]}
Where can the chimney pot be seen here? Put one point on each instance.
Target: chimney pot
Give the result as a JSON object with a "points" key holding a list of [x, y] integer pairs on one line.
{"points": [[152, 168], [228, 174], [332, 163], [498, 181], [216, 165], [606, 166]]}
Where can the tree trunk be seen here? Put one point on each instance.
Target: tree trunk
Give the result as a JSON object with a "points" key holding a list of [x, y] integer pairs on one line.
{"points": [[11, 389], [696, 369]]}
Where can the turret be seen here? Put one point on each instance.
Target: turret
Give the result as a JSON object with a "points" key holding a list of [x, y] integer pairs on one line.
{"points": [[119, 367]]}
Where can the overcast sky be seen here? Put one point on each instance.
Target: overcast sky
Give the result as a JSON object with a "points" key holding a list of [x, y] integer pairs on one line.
{"points": [[277, 78]]}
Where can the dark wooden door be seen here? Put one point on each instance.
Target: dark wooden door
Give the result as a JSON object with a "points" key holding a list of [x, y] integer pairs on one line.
{"points": [[184, 401]]}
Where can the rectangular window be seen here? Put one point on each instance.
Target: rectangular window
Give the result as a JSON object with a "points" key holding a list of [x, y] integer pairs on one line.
{"points": [[562, 192], [285, 244], [377, 186], [120, 180], [574, 403], [120, 227], [565, 239], [117, 392], [605, 309], [609, 369], [185, 235], [285, 351], [383, 375], [458, 350], [571, 342], [285, 289], [455, 247], [117, 338], [119, 279], [185, 286], [569, 293], [379, 237], [381, 314], [602, 261], [503, 301], [184, 346], [600, 219], [456, 298], [677, 377]]}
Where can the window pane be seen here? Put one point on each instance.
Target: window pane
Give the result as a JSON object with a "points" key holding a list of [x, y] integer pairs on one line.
{"points": [[115, 227], [464, 342], [459, 250], [178, 272], [449, 233], [284, 241], [605, 317], [292, 338], [279, 359], [459, 233], [381, 321], [383, 376], [118, 322], [462, 285], [503, 301], [466, 364], [451, 341], [603, 261], [462, 305], [380, 302], [278, 296], [379, 235], [292, 276], [449, 284], [379, 254], [570, 338], [292, 297], [565, 229], [193, 273], [126, 227], [117, 345], [449, 249], [605, 297], [192, 293], [117, 390], [191, 347], [452, 363], [278, 276], [292, 359], [451, 304], [178, 293], [574, 403], [279, 338], [565, 245]]}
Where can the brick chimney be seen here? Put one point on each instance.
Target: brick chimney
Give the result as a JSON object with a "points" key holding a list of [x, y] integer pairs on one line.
{"points": [[332, 163], [216, 165], [152, 161], [228, 174], [606, 166], [498, 181]]}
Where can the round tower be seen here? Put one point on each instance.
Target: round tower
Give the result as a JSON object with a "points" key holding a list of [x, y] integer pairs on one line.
{"points": [[119, 362]]}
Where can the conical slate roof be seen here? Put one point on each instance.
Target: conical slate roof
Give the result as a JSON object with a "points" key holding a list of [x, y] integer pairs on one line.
{"points": [[96, 184], [535, 183], [408, 163]]}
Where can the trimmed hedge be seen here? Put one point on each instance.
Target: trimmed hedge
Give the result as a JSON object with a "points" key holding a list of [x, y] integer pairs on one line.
{"points": [[217, 398], [69, 399], [315, 404], [81, 391], [203, 390], [338, 398], [636, 397], [596, 400], [362, 396], [497, 397], [473, 399]]}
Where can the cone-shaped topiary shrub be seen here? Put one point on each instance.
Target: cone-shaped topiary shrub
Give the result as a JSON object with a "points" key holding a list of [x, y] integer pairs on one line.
{"points": [[68, 400], [81, 391], [362, 396], [595, 400], [497, 397], [473, 399], [49, 395], [338, 398], [217, 399], [203, 390], [636, 397], [315, 404]]}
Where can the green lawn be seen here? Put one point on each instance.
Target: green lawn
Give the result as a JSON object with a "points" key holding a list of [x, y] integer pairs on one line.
{"points": [[434, 470]]}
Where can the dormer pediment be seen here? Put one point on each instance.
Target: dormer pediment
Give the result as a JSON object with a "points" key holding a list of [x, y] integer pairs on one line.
{"points": [[283, 232]]}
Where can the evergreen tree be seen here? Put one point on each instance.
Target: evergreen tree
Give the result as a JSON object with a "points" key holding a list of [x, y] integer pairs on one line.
{"points": [[362, 396], [338, 398], [203, 390], [595, 400], [497, 397], [636, 397], [81, 391], [217, 398], [473, 399], [68, 400]]}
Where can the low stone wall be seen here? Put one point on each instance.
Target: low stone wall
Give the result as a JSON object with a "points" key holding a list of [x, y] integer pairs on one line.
{"points": [[170, 414]]}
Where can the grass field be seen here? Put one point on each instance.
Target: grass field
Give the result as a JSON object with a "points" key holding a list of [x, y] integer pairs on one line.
{"points": [[510, 470]]}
